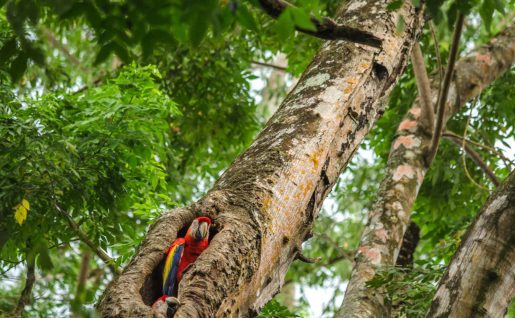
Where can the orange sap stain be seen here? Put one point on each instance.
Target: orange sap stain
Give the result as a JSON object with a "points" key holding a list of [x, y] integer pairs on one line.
{"points": [[314, 160], [267, 202], [351, 81]]}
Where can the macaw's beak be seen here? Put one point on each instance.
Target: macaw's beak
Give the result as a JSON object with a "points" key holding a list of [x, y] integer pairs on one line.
{"points": [[202, 231]]}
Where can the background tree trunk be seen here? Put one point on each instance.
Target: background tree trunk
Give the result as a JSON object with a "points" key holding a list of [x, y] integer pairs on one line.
{"points": [[406, 167], [480, 280], [264, 205]]}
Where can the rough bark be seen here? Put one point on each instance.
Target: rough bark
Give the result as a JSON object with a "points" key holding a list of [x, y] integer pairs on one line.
{"points": [[480, 280], [406, 167], [264, 205], [408, 246]]}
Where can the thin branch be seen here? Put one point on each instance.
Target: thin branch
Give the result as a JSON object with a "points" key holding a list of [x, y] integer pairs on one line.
{"points": [[326, 28], [467, 173], [108, 260], [475, 157], [83, 275], [506, 160], [424, 89], [277, 67], [437, 54], [26, 293], [442, 96], [63, 49], [303, 258], [343, 253]]}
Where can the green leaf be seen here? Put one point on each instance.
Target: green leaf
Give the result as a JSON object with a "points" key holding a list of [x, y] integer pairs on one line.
{"points": [[43, 260], [104, 53], [486, 12], [394, 5], [401, 25], [7, 50], [302, 19], [284, 25], [18, 67], [245, 18], [198, 29]]}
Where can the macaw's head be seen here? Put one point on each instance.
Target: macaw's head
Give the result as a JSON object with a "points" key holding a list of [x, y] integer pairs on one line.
{"points": [[199, 228]]}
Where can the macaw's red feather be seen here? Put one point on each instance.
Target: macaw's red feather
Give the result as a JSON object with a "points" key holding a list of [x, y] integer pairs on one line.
{"points": [[182, 253]]}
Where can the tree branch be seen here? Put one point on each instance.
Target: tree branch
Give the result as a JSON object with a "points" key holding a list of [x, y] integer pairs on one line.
{"points": [[438, 57], [506, 160], [83, 275], [276, 67], [475, 157], [479, 279], [326, 28], [25, 296], [63, 49], [424, 89], [108, 260], [442, 96]]}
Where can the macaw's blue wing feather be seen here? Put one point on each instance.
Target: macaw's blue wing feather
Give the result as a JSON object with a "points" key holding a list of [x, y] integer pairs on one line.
{"points": [[172, 266]]}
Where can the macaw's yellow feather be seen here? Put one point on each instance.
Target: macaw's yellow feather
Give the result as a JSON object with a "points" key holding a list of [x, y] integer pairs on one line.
{"points": [[172, 263]]}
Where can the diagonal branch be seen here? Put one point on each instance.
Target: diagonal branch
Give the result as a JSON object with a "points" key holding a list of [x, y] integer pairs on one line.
{"points": [[83, 275], [63, 49], [442, 99], [26, 293], [326, 28], [108, 260], [276, 67], [424, 89], [507, 162], [475, 157]]}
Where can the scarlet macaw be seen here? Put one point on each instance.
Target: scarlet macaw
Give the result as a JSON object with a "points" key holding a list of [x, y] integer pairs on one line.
{"points": [[183, 252]]}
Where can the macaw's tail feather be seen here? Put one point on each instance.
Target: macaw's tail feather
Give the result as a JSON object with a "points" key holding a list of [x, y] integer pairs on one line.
{"points": [[171, 267]]}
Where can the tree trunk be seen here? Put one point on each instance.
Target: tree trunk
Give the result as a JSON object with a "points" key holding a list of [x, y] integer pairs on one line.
{"points": [[406, 167], [480, 280], [264, 205]]}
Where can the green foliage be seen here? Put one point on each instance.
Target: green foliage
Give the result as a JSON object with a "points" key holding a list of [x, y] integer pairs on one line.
{"points": [[115, 144], [408, 290], [96, 154], [274, 309]]}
